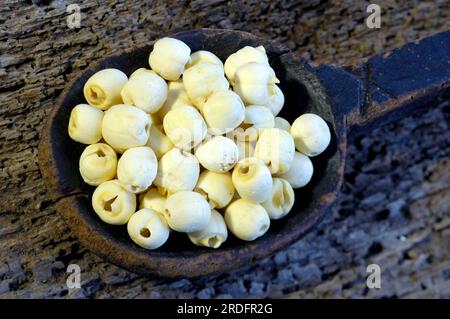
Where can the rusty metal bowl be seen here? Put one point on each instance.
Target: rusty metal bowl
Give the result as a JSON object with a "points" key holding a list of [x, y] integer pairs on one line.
{"points": [[347, 99]]}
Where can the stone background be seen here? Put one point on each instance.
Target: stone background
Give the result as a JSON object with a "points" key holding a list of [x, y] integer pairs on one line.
{"points": [[394, 208]]}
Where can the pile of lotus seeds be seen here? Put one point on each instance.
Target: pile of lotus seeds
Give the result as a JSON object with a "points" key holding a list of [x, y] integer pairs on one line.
{"points": [[193, 145]]}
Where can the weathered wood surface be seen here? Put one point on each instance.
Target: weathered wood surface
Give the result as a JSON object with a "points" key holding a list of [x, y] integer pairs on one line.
{"points": [[394, 208]]}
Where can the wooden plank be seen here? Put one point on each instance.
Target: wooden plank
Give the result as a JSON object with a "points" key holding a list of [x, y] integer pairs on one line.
{"points": [[39, 54]]}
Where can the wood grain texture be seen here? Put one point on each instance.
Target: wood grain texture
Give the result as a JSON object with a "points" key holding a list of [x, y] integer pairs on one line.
{"points": [[394, 207]]}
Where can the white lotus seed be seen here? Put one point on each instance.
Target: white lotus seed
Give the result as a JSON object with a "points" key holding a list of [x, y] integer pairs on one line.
{"points": [[256, 119], [102, 89], [141, 71], [187, 212], [276, 101], [202, 80], [259, 116], [125, 126], [275, 147], [153, 199], [176, 96], [148, 229], [223, 111], [300, 172], [247, 220], [185, 127], [283, 124], [137, 168], [85, 124], [255, 83], [98, 164], [281, 199], [113, 203], [145, 90], [158, 142], [177, 171], [203, 56], [252, 179], [217, 188], [213, 235], [311, 134], [169, 57], [243, 56], [218, 154]]}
